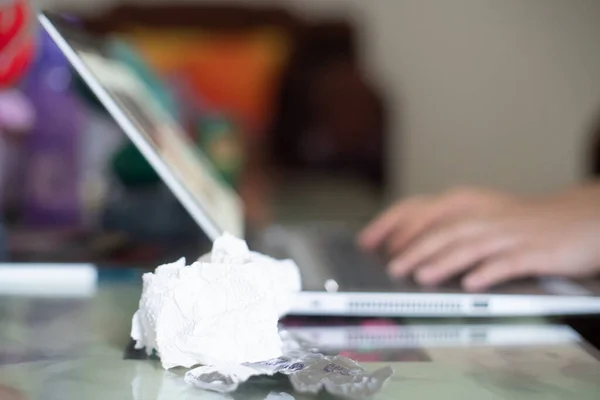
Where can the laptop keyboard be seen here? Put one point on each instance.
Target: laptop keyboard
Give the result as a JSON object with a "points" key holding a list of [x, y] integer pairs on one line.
{"points": [[329, 253], [354, 267]]}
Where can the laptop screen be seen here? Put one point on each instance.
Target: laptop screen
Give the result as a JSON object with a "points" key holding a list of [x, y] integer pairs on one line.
{"points": [[184, 169]]}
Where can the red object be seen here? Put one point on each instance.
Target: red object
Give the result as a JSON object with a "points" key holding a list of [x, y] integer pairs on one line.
{"points": [[16, 41]]}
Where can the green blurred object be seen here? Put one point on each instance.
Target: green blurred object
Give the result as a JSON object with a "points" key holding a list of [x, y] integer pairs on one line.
{"points": [[132, 169], [123, 52], [219, 138]]}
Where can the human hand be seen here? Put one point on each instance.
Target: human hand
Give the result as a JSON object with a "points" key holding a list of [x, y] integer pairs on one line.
{"points": [[492, 236]]}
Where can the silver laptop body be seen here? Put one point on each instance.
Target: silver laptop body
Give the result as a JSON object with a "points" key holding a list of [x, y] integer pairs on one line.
{"points": [[337, 278]]}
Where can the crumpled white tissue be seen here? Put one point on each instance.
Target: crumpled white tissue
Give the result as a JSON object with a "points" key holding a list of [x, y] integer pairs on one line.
{"points": [[221, 310]]}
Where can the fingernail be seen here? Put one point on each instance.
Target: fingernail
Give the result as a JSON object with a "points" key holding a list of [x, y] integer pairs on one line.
{"points": [[472, 284], [425, 276], [395, 270], [363, 240]]}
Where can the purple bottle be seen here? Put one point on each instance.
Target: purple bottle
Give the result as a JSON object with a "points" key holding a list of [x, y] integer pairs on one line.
{"points": [[51, 174]]}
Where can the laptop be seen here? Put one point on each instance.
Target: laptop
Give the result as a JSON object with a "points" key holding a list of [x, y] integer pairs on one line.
{"points": [[337, 279], [390, 336]]}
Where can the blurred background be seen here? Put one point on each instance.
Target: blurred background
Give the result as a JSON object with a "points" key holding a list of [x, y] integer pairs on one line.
{"points": [[310, 109]]}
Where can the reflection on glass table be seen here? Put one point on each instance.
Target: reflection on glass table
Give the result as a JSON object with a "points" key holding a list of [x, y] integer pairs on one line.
{"points": [[75, 347]]}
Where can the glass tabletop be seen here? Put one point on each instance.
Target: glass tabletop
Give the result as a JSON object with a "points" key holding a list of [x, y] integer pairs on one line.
{"points": [[56, 347]]}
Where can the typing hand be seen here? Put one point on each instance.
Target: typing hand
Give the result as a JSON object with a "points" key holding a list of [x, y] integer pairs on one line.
{"points": [[490, 236]]}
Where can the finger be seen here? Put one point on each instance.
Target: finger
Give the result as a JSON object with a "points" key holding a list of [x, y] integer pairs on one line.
{"points": [[462, 256], [499, 270], [431, 244], [443, 208], [374, 234]]}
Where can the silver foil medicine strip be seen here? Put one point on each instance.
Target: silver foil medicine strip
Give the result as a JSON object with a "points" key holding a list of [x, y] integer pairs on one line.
{"points": [[308, 371]]}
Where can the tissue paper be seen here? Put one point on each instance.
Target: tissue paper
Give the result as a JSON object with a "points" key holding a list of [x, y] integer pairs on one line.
{"points": [[222, 313], [284, 275], [222, 310]]}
